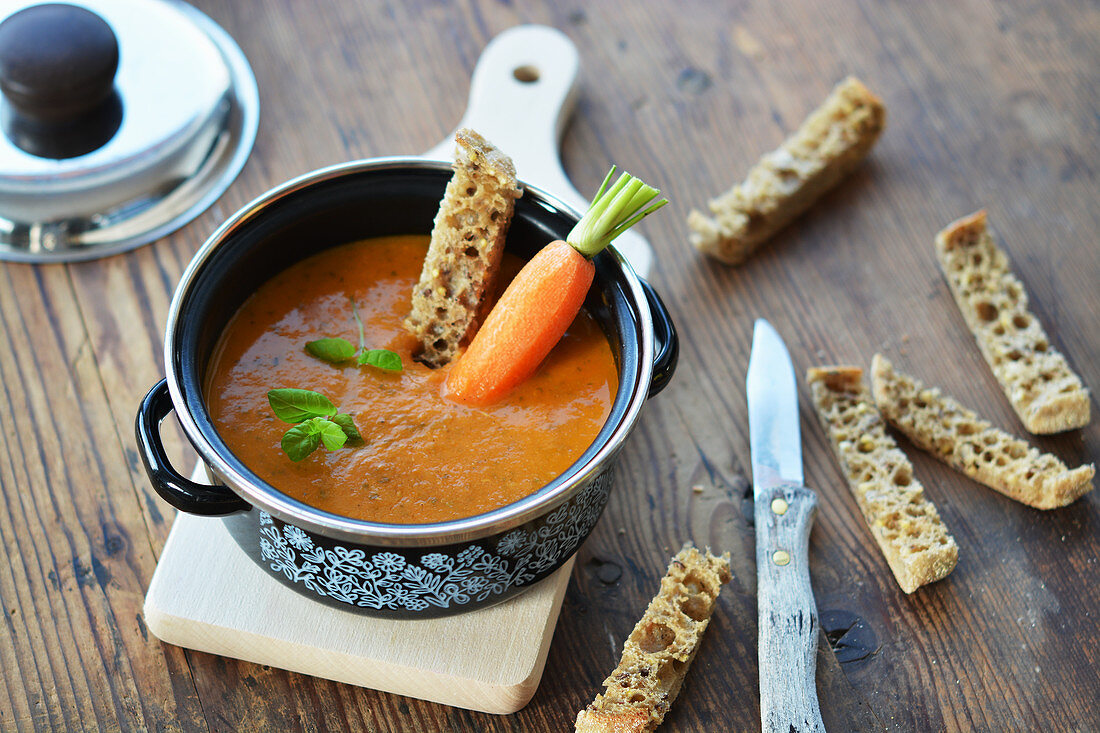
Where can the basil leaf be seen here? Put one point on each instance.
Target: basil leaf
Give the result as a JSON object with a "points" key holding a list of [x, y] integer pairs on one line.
{"points": [[347, 424], [331, 434], [332, 350], [299, 442], [296, 405], [381, 358]]}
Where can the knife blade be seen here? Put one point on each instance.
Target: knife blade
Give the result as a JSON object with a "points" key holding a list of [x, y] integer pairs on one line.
{"points": [[783, 511]]}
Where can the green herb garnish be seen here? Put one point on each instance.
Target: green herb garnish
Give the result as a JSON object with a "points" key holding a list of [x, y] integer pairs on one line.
{"points": [[348, 426], [317, 422], [382, 359], [333, 350], [297, 405], [337, 350]]}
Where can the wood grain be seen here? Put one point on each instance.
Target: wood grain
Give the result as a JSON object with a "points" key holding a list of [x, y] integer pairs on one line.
{"points": [[788, 624], [990, 104]]}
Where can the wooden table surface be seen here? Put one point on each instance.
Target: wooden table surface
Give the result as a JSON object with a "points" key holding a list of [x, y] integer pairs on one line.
{"points": [[990, 104]]}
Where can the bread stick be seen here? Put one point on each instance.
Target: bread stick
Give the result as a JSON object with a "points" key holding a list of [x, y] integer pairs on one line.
{"points": [[785, 182], [465, 251], [904, 522], [960, 438], [1047, 395], [658, 652]]}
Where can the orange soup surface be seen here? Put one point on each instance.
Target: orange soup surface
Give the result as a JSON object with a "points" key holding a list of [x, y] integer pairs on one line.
{"points": [[424, 457]]}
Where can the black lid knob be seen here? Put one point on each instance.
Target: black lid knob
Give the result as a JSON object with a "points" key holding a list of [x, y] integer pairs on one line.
{"points": [[57, 61]]}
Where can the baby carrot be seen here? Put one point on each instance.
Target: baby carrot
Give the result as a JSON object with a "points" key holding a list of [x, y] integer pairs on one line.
{"points": [[524, 325], [544, 298]]}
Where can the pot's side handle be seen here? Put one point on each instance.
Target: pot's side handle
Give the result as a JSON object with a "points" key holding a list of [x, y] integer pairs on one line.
{"points": [[521, 95], [665, 339], [180, 492]]}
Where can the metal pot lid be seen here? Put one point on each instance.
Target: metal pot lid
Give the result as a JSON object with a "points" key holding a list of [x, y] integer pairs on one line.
{"points": [[123, 164]]}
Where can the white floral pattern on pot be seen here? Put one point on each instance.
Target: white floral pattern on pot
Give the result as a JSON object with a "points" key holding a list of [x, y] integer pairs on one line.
{"points": [[386, 580]]}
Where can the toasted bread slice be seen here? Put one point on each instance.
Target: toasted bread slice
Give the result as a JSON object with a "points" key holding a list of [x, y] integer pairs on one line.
{"points": [[658, 652], [904, 522], [960, 438], [785, 182], [1048, 396], [465, 251]]}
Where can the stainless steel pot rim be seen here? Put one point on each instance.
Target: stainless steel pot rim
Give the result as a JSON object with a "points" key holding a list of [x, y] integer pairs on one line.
{"points": [[267, 498]]}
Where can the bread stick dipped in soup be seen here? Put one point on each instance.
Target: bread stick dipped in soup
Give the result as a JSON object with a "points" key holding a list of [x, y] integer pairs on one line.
{"points": [[330, 389]]}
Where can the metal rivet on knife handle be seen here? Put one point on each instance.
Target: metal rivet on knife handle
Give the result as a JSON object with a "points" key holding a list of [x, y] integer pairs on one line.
{"points": [[780, 506], [781, 557]]}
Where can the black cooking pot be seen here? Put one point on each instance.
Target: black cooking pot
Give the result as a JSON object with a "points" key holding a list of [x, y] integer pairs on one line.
{"points": [[391, 570]]}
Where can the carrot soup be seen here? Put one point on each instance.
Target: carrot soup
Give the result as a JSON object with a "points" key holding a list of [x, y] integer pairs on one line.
{"points": [[423, 457]]}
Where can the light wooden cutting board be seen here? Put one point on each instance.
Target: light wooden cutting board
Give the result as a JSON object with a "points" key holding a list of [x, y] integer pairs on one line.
{"points": [[206, 594]]}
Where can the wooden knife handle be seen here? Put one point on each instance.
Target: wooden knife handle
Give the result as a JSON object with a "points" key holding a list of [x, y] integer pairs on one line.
{"points": [[787, 615]]}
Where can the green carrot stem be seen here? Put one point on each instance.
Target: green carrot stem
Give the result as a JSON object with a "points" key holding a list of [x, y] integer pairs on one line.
{"points": [[612, 211], [603, 186]]}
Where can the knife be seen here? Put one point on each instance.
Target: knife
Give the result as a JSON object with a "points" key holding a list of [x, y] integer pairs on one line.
{"points": [[784, 512]]}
